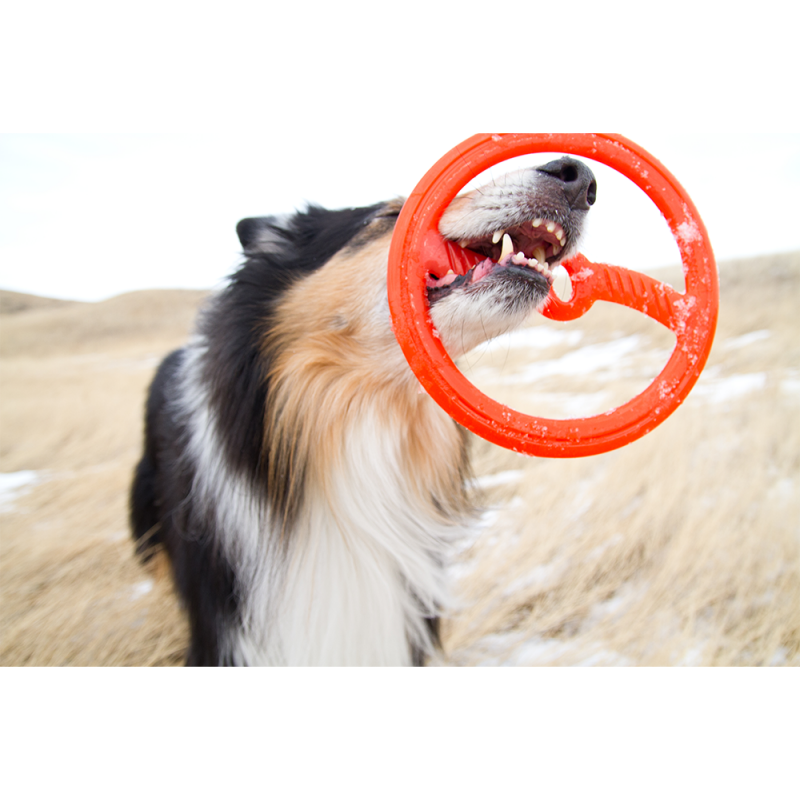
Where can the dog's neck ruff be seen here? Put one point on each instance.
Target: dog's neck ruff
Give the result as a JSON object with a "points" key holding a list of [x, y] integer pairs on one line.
{"points": [[362, 565]]}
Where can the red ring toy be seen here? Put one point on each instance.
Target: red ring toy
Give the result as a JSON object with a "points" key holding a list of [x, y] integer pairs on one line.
{"points": [[692, 316]]}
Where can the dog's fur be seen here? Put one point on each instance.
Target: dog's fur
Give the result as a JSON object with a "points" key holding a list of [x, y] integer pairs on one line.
{"points": [[303, 486]]}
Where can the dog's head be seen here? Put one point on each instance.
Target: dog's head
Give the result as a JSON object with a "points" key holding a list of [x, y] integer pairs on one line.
{"points": [[331, 265], [523, 224], [313, 295]]}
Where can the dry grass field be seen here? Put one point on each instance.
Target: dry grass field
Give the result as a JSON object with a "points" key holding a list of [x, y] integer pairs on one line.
{"points": [[680, 549]]}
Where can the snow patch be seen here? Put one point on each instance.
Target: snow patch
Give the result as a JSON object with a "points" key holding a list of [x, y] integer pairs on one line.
{"points": [[723, 389], [573, 406], [688, 231], [790, 386], [746, 339], [584, 361], [14, 485], [141, 589], [498, 479], [538, 338]]}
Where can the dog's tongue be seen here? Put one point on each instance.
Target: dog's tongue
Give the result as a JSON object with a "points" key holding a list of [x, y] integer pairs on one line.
{"points": [[439, 256]]}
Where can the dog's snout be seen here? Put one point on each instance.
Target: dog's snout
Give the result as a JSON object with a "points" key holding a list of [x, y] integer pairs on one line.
{"points": [[575, 179]]}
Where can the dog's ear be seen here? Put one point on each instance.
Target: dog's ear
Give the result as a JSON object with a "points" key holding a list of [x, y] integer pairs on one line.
{"points": [[254, 231]]}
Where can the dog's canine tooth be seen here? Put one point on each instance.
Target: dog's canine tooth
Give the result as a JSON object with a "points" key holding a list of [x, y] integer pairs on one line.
{"points": [[508, 246], [498, 235], [539, 255]]}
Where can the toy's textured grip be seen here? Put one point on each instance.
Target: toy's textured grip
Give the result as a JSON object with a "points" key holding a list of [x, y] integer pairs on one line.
{"points": [[592, 282]]}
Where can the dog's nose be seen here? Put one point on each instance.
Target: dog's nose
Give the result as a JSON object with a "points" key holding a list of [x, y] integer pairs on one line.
{"points": [[576, 181]]}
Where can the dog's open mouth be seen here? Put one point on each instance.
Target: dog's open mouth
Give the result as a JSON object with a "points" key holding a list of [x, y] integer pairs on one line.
{"points": [[530, 250]]}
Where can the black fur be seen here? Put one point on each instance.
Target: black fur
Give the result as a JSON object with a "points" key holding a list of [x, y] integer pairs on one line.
{"points": [[236, 370]]}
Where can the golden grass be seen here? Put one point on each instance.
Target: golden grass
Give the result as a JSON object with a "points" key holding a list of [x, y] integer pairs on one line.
{"points": [[74, 379], [682, 548]]}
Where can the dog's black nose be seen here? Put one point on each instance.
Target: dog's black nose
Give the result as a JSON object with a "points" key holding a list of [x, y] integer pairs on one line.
{"points": [[576, 180]]}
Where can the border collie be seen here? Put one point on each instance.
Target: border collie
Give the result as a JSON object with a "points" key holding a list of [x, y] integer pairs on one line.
{"points": [[305, 489]]}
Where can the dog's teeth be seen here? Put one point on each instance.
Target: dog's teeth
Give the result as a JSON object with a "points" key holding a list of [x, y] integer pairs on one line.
{"points": [[539, 255], [556, 249], [551, 226], [536, 223], [464, 243], [559, 234], [498, 235], [544, 269], [508, 246], [519, 259]]}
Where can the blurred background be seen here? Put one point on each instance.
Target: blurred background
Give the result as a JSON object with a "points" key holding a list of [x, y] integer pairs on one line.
{"points": [[682, 548]]}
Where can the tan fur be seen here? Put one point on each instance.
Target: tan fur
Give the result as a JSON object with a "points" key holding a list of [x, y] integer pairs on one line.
{"points": [[335, 358]]}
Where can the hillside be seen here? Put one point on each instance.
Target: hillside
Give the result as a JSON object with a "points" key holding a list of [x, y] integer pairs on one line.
{"points": [[16, 302], [34, 326]]}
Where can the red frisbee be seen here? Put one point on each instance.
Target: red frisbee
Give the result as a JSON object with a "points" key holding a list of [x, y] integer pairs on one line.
{"points": [[691, 316]]}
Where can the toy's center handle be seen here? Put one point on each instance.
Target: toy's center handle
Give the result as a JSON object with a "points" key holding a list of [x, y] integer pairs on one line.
{"points": [[592, 282]]}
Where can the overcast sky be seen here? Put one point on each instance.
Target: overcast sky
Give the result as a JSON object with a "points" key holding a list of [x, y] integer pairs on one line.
{"points": [[88, 217], [572, 32]]}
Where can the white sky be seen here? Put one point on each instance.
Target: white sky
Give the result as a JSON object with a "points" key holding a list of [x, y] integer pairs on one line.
{"points": [[571, 31], [400, 774], [87, 217]]}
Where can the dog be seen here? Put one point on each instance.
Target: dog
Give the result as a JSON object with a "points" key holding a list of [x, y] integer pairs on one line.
{"points": [[305, 489]]}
